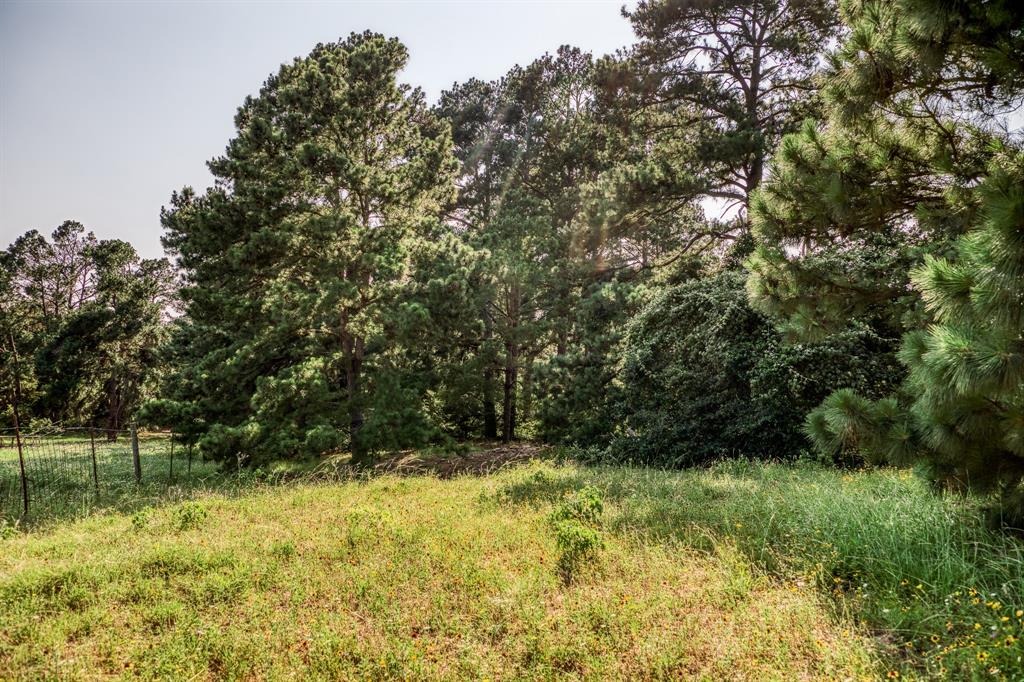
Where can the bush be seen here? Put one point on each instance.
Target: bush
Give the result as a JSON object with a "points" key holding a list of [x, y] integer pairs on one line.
{"points": [[141, 519], [705, 376], [189, 515], [577, 522], [7, 529]]}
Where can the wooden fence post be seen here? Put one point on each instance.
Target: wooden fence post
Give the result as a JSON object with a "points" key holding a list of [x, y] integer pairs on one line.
{"points": [[135, 454]]}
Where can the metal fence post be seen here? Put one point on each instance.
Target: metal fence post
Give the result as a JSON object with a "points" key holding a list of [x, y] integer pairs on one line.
{"points": [[135, 454], [21, 461], [17, 425], [170, 477], [95, 470]]}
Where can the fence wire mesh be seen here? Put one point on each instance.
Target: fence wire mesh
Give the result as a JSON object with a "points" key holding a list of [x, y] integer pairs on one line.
{"points": [[71, 471]]}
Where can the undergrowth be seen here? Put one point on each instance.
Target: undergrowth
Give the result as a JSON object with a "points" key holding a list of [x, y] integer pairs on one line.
{"points": [[942, 593]]}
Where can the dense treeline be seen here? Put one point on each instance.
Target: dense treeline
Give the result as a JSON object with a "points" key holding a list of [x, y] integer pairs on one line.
{"points": [[770, 227], [82, 324]]}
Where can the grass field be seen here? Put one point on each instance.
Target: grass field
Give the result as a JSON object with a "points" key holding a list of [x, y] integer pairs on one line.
{"points": [[742, 571], [62, 484]]}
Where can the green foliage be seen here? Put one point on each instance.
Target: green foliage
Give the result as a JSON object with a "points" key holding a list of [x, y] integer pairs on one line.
{"points": [[81, 324], [576, 522], [529, 146], [704, 376], [189, 515], [686, 376], [7, 529], [298, 317], [903, 215], [965, 370], [695, 107], [141, 519], [579, 398]]}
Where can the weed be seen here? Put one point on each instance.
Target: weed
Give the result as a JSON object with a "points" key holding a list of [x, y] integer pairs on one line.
{"points": [[577, 526], [8, 529], [283, 550], [141, 519], [189, 515]]}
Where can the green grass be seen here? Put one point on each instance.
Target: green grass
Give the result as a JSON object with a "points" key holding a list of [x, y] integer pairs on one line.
{"points": [[62, 484], [395, 578], [739, 571], [942, 594]]}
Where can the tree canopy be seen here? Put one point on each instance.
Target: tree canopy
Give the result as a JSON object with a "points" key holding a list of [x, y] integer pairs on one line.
{"points": [[765, 227]]}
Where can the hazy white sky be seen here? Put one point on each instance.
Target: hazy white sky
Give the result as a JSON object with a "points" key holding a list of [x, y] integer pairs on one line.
{"points": [[106, 107]]}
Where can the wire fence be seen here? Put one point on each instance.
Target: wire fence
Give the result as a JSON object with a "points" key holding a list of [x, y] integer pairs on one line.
{"points": [[71, 471]]}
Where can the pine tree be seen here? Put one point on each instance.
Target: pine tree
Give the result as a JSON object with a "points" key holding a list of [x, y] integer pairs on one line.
{"points": [[905, 211], [296, 259], [528, 151], [702, 98]]}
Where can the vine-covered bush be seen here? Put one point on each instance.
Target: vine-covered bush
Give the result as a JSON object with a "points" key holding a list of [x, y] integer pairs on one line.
{"points": [[705, 376]]}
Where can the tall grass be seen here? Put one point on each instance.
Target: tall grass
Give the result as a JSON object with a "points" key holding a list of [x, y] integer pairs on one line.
{"points": [[389, 579], [940, 593], [943, 593]]}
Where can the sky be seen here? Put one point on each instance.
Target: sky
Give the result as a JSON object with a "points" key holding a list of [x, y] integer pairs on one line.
{"points": [[108, 107]]}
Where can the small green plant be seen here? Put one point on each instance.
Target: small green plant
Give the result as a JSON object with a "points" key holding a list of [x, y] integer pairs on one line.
{"points": [[283, 550], [367, 526], [189, 515], [141, 519], [738, 578], [7, 529], [577, 525]]}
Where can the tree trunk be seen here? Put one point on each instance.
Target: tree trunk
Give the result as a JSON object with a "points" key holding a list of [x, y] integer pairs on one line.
{"points": [[113, 411], [527, 390], [753, 102], [353, 350], [490, 409], [508, 430]]}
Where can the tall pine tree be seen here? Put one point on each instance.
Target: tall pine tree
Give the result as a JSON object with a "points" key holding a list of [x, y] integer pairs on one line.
{"points": [[904, 211], [296, 259]]}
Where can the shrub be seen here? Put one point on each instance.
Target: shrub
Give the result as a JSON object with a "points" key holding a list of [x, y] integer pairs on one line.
{"points": [[189, 515], [7, 529], [705, 376], [577, 525], [140, 519]]}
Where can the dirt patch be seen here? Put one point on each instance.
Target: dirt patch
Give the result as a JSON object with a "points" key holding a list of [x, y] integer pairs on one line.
{"points": [[480, 462]]}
